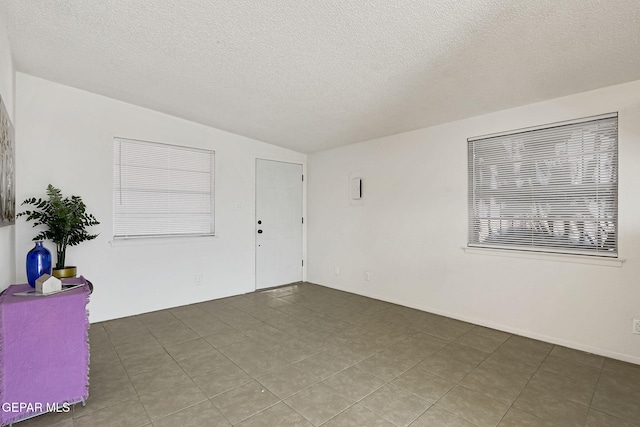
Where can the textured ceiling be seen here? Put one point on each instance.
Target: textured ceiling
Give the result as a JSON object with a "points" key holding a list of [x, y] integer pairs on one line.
{"points": [[311, 75]]}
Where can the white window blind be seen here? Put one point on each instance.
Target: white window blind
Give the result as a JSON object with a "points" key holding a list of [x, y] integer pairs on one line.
{"points": [[162, 190], [549, 189]]}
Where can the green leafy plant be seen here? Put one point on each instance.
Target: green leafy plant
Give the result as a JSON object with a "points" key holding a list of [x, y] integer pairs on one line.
{"points": [[65, 219]]}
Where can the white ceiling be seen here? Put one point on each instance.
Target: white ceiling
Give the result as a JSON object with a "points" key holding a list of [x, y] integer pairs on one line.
{"points": [[311, 75]]}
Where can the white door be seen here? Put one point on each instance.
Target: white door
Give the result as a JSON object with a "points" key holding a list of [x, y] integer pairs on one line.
{"points": [[278, 223]]}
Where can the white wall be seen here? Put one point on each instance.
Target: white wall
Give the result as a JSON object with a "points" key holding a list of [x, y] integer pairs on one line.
{"points": [[66, 139], [7, 90], [411, 228]]}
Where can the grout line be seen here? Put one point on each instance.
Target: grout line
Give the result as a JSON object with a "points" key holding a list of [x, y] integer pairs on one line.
{"points": [[525, 386]]}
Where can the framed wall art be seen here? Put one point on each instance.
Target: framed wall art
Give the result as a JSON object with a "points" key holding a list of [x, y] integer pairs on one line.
{"points": [[7, 168]]}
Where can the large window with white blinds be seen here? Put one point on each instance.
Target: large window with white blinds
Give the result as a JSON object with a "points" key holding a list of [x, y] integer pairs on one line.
{"points": [[548, 189], [162, 190]]}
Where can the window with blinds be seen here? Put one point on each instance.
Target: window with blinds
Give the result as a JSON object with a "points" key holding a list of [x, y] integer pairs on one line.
{"points": [[548, 189], [162, 190]]}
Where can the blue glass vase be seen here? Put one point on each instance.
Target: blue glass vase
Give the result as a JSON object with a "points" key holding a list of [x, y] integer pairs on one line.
{"points": [[38, 263]]}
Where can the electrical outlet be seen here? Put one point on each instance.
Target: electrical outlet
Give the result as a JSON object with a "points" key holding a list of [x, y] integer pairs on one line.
{"points": [[336, 270], [198, 280], [367, 276], [636, 326]]}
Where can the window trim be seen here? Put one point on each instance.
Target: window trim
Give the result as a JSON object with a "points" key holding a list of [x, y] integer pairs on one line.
{"points": [[546, 256]]}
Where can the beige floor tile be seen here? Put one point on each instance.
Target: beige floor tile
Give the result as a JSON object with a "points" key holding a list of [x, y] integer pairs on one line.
{"points": [[578, 371], [349, 331], [158, 378], [504, 362], [358, 415], [410, 356], [624, 378], [463, 353], [157, 318], [618, 399], [277, 415], [101, 374], [479, 342], [599, 419], [446, 367], [353, 383], [423, 384], [525, 350], [136, 365], [244, 401], [241, 348], [189, 349], [577, 356], [318, 403], [287, 381], [221, 380], [102, 396], [517, 418], [201, 414], [353, 352], [175, 335], [473, 406], [395, 404], [104, 356], [205, 362], [322, 365], [187, 312], [551, 409], [624, 369], [383, 366], [260, 364], [205, 328], [504, 386], [435, 416], [561, 387], [160, 403], [123, 325], [97, 330], [490, 333], [130, 413], [444, 330], [143, 349], [166, 326], [380, 340], [224, 338], [294, 351], [322, 340], [415, 349], [428, 342], [132, 337]]}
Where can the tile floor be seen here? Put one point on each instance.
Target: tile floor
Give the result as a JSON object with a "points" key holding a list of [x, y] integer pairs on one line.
{"points": [[305, 355]]}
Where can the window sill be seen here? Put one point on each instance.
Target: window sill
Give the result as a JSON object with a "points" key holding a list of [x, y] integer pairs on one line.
{"points": [[576, 259], [166, 240]]}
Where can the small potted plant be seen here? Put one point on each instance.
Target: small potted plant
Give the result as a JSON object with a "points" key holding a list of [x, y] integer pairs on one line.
{"points": [[66, 222]]}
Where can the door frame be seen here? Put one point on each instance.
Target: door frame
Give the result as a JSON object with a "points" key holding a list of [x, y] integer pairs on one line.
{"points": [[302, 163]]}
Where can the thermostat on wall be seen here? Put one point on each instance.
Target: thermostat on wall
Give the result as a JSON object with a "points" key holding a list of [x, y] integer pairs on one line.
{"points": [[356, 188]]}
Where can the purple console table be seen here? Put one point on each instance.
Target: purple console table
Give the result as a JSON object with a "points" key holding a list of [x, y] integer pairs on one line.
{"points": [[44, 352]]}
